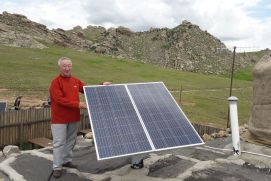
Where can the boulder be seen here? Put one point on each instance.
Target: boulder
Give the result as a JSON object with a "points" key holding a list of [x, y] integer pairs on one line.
{"points": [[100, 50], [89, 135], [11, 149], [221, 134], [260, 121], [207, 137], [124, 31]]}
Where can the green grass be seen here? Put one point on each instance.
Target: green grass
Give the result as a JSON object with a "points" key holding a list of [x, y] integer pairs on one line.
{"points": [[241, 74], [28, 72], [207, 105], [244, 74]]}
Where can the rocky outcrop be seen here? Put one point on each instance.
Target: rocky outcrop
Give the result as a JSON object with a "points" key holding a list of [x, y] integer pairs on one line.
{"points": [[185, 47], [260, 120], [17, 30]]}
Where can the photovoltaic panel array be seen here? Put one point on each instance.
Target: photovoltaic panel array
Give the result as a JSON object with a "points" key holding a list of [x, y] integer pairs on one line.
{"points": [[115, 124], [130, 119], [166, 123], [3, 106]]}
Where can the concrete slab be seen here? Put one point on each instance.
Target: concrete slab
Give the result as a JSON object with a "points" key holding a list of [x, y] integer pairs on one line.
{"points": [[199, 163], [169, 167], [86, 160], [4, 177], [230, 172], [36, 168]]}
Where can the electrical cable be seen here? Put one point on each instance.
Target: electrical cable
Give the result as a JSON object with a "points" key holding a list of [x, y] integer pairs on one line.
{"points": [[50, 176], [259, 154], [248, 152], [217, 148]]}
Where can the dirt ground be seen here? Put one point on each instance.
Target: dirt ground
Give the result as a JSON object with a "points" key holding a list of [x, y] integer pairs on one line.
{"points": [[29, 98]]}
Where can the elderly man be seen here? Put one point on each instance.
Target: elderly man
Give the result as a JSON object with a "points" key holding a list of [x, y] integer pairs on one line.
{"points": [[65, 112]]}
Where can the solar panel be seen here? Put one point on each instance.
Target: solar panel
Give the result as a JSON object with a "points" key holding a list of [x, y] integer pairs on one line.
{"points": [[116, 127], [3, 106], [166, 123], [130, 119]]}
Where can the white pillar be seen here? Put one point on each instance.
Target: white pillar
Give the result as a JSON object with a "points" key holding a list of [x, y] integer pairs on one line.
{"points": [[234, 125]]}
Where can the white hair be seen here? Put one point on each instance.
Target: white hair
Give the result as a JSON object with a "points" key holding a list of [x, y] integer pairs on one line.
{"points": [[61, 59]]}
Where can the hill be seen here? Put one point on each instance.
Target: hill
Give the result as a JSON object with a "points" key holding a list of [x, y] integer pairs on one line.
{"points": [[27, 72], [185, 47]]}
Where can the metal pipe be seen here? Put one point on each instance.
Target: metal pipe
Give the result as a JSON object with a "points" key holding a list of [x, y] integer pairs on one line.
{"points": [[234, 125], [232, 68], [232, 71]]}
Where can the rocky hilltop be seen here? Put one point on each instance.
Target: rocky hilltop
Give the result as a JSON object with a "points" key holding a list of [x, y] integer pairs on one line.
{"points": [[16, 30], [185, 47]]}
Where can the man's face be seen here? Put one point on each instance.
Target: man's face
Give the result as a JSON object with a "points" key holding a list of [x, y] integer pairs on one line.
{"points": [[65, 68]]}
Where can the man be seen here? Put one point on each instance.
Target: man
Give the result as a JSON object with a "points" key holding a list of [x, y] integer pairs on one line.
{"points": [[65, 112]]}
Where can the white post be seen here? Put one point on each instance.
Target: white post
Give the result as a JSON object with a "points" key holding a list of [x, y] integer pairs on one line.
{"points": [[234, 125]]}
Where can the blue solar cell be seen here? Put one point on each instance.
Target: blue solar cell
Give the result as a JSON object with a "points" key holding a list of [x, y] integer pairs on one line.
{"points": [[116, 126], [131, 118], [164, 120]]}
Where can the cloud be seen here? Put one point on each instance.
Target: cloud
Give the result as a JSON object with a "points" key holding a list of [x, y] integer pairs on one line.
{"points": [[133, 14], [59, 14], [233, 21], [228, 20]]}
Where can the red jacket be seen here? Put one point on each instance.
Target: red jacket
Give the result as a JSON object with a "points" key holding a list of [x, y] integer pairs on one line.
{"points": [[64, 94]]}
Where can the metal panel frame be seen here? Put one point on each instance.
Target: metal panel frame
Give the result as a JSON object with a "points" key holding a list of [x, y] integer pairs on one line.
{"points": [[141, 121]]}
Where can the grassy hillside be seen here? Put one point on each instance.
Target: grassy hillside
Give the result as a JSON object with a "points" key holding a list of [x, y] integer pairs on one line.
{"points": [[246, 74], [28, 72]]}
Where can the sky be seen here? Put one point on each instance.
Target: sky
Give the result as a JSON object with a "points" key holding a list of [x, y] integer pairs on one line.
{"points": [[245, 24]]}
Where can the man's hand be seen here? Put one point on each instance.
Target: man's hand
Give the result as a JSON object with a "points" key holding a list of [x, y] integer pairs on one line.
{"points": [[107, 83], [82, 105]]}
